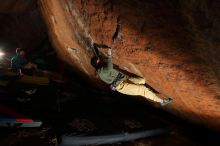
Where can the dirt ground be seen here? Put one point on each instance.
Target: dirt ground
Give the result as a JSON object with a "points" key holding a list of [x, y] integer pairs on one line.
{"points": [[77, 107]]}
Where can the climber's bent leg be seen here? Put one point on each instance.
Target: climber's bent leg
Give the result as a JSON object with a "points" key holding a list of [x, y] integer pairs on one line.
{"points": [[137, 90], [137, 80]]}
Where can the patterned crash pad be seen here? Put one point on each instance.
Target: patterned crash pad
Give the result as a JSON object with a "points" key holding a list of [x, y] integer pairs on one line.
{"points": [[10, 118]]}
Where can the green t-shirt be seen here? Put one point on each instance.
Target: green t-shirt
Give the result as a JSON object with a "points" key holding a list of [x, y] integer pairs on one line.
{"points": [[107, 73]]}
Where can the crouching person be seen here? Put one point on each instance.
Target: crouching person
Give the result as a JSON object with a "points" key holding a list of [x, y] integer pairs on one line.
{"points": [[21, 63]]}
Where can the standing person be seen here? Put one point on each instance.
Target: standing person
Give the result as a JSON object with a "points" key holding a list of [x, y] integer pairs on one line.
{"points": [[122, 83]]}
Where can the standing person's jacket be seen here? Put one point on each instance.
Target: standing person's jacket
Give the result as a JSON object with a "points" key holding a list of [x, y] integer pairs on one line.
{"points": [[108, 74], [18, 62]]}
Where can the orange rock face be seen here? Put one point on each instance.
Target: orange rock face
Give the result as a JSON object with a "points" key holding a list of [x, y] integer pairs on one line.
{"points": [[174, 45]]}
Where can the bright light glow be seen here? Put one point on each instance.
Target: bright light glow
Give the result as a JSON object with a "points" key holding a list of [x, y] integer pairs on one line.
{"points": [[2, 54]]}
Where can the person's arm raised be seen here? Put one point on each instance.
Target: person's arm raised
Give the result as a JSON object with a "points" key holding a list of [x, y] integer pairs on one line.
{"points": [[109, 59]]}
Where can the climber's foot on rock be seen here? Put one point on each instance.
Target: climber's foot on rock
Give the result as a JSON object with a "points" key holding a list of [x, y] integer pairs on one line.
{"points": [[166, 101]]}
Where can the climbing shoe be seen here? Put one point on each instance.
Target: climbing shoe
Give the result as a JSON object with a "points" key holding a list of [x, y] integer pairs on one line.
{"points": [[166, 101]]}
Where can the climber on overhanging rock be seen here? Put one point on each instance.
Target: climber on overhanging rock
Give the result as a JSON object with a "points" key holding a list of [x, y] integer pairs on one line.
{"points": [[120, 82]]}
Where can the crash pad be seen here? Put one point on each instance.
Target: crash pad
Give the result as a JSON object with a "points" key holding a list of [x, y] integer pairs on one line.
{"points": [[4, 83], [10, 118], [12, 122], [34, 80]]}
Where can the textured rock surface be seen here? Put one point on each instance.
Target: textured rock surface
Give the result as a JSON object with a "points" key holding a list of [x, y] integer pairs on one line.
{"points": [[174, 45]]}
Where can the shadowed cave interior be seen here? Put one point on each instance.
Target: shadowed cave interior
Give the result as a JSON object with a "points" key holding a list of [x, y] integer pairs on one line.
{"points": [[174, 45]]}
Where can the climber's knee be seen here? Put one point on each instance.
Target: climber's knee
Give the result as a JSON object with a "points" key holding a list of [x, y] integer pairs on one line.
{"points": [[137, 80]]}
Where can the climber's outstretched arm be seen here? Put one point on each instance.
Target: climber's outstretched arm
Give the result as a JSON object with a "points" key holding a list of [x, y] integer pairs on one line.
{"points": [[107, 58]]}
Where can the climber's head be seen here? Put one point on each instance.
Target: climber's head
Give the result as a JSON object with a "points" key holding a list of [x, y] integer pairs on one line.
{"points": [[96, 62]]}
